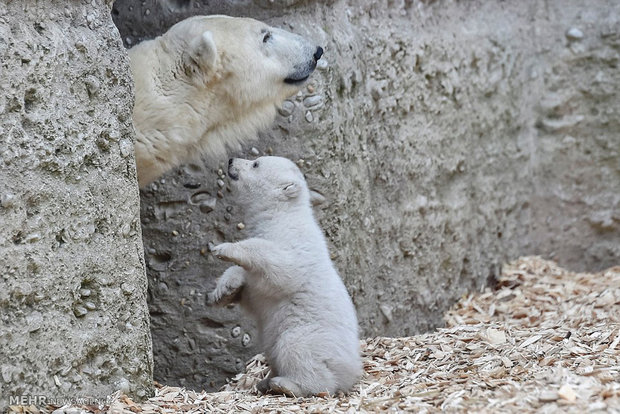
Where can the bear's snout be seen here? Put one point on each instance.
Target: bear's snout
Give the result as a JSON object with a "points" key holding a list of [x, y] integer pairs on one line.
{"points": [[232, 171]]}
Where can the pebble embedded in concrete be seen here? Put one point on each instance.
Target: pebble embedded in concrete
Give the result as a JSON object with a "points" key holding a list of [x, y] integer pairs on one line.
{"points": [[7, 200], [127, 288], [245, 341], [236, 331], [221, 183], [386, 310], [80, 311], [574, 34], [287, 108], [126, 148], [240, 226], [92, 85], [90, 19], [309, 116], [208, 205], [322, 64], [312, 101], [254, 151], [123, 385]]}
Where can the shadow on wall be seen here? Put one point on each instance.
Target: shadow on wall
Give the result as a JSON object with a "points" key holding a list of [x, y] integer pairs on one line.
{"points": [[446, 137]]}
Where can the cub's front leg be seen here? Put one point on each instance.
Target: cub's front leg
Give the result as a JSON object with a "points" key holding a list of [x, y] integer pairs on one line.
{"points": [[252, 254], [228, 288]]}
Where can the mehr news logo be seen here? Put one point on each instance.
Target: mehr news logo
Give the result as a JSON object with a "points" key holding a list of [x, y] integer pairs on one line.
{"points": [[43, 400]]}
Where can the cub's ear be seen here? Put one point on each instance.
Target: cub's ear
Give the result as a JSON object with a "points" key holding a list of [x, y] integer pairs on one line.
{"points": [[291, 190], [316, 198], [201, 54]]}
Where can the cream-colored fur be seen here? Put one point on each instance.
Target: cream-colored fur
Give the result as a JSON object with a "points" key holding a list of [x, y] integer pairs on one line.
{"points": [[211, 83], [287, 282]]}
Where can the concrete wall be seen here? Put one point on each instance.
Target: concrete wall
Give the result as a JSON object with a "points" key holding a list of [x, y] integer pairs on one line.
{"points": [[73, 313], [447, 138]]}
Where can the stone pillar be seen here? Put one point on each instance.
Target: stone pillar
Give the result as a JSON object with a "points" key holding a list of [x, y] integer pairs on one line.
{"points": [[74, 320]]}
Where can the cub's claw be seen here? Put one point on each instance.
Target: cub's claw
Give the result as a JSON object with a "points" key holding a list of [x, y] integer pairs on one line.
{"points": [[222, 251], [224, 298]]}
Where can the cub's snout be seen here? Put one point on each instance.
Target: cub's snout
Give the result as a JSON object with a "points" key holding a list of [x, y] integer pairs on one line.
{"points": [[233, 172]]}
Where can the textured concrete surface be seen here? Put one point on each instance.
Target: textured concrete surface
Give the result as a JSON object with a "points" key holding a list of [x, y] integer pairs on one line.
{"points": [[446, 137], [73, 313]]}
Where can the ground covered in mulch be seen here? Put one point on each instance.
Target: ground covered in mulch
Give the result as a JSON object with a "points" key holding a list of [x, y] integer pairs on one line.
{"points": [[543, 340]]}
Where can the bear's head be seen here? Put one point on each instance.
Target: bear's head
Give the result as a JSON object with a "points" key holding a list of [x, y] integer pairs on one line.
{"points": [[243, 60], [267, 184], [209, 84]]}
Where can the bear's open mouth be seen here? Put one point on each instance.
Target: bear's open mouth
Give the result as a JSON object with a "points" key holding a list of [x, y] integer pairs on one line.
{"points": [[301, 75], [293, 80]]}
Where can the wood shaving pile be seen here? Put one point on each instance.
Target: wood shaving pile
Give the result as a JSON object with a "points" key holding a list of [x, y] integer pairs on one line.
{"points": [[544, 340]]}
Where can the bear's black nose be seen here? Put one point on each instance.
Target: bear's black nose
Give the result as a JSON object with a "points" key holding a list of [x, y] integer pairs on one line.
{"points": [[230, 161], [319, 52]]}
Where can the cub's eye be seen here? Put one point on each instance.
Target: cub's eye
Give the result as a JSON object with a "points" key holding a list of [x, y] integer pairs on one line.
{"points": [[266, 37], [255, 165]]}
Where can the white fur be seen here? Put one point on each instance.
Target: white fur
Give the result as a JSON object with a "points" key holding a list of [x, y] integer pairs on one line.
{"points": [[208, 83], [306, 320]]}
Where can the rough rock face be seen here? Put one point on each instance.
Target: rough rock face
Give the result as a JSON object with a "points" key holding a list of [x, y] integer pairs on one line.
{"points": [[446, 137], [74, 320]]}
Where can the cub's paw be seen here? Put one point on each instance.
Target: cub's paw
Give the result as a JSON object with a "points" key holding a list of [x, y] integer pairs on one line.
{"points": [[224, 251], [224, 298], [212, 298], [263, 386], [286, 386]]}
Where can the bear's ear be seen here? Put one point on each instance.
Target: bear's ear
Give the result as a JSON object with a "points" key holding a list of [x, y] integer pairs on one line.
{"points": [[316, 198], [202, 53], [291, 190]]}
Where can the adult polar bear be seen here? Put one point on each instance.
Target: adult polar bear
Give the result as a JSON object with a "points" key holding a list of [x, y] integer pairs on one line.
{"points": [[208, 83]]}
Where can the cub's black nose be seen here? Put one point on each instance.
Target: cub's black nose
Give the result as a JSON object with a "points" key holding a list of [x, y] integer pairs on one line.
{"points": [[230, 161], [319, 52]]}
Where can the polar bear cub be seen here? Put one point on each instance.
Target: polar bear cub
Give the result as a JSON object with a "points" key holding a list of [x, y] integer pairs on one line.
{"points": [[208, 83], [306, 321]]}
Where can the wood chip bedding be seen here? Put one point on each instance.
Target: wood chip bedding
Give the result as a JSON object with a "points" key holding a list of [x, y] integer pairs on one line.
{"points": [[543, 340]]}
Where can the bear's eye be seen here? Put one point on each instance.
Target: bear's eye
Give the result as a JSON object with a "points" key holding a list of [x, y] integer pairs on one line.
{"points": [[266, 37], [255, 165]]}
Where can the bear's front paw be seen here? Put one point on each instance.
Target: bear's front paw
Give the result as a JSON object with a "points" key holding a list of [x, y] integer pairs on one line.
{"points": [[224, 297], [212, 298], [224, 251]]}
